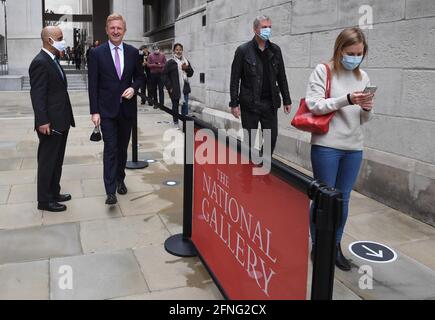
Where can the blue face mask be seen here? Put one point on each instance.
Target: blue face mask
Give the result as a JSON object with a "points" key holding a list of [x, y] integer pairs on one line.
{"points": [[266, 34], [351, 62]]}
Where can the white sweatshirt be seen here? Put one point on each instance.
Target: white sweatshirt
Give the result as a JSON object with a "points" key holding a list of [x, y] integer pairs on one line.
{"points": [[345, 129]]}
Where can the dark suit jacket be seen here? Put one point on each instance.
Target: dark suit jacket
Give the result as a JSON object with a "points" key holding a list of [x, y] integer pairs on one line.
{"points": [[49, 94], [105, 88]]}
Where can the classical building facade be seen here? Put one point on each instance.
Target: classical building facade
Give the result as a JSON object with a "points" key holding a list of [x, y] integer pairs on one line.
{"points": [[27, 17]]}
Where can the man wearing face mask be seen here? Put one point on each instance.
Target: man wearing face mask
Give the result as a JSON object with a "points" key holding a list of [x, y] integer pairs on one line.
{"points": [[257, 80], [53, 118]]}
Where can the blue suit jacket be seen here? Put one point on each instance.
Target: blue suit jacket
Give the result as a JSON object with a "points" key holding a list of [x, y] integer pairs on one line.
{"points": [[105, 87]]}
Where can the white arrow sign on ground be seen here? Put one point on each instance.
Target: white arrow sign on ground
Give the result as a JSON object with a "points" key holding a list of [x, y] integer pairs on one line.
{"points": [[380, 254]]}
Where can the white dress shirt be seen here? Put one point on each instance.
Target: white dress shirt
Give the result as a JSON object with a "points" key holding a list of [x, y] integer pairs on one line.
{"points": [[52, 56], [120, 52]]}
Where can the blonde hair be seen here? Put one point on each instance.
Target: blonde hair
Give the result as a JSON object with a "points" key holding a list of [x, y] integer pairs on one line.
{"points": [[116, 17], [348, 37]]}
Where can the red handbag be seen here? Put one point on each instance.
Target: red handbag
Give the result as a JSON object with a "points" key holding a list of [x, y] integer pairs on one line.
{"points": [[306, 121]]}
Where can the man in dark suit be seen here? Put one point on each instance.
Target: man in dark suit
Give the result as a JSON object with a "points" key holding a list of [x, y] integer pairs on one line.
{"points": [[53, 118], [115, 76]]}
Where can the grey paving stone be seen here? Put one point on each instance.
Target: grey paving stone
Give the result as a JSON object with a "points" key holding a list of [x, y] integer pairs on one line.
{"points": [[24, 281], [163, 271], [209, 292], [4, 193], [123, 233], [16, 216], [85, 209], [404, 279], [39, 243], [98, 277]]}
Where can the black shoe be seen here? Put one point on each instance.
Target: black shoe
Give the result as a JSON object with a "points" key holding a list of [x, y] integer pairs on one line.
{"points": [[63, 198], [142, 103], [156, 106], [111, 200], [51, 207], [122, 189], [341, 262]]}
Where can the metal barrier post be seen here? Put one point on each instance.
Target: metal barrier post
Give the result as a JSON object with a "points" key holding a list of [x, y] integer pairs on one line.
{"points": [[135, 164], [328, 210], [181, 245]]}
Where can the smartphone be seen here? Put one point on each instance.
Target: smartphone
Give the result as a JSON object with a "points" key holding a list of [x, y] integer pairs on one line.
{"points": [[371, 89]]}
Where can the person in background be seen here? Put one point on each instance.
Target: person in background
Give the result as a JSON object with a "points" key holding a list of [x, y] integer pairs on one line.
{"points": [[257, 79], [337, 156], [144, 54], [156, 63], [177, 72]]}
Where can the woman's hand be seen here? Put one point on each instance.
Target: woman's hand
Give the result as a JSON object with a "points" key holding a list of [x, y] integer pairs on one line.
{"points": [[361, 98]]}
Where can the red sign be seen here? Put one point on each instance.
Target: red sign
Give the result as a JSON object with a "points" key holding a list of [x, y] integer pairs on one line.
{"points": [[252, 231]]}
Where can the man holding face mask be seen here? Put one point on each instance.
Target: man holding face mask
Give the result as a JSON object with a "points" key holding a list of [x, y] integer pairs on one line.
{"points": [[115, 77], [53, 118]]}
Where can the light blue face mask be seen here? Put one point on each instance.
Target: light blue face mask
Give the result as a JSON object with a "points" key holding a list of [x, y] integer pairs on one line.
{"points": [[266, 34], [351, 62]]}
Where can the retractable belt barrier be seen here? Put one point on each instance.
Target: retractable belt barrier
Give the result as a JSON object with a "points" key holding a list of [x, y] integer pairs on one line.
{"points": [[252, 232]]}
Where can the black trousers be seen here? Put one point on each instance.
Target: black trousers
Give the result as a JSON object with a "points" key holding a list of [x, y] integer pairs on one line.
{"points": [[267, 116], [116, 135], [157, 83], [51, 153], [144, 89]]}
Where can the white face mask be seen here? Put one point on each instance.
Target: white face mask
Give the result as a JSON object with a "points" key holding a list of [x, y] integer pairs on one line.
{"points": [[59, 45]]}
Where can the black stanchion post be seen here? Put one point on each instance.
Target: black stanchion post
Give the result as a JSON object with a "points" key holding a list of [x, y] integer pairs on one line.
{"points": [[327, 214], [181, 245], [135, 164]]}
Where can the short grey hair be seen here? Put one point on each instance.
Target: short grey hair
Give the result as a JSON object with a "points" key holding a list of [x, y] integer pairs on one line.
{"points": [[258, 20]]}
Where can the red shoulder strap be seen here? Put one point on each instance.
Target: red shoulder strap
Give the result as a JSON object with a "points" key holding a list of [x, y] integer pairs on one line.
{"points": [[328, 81]]}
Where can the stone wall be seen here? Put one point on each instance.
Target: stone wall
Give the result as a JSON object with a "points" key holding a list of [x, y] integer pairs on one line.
{"points": [[399, 166]]}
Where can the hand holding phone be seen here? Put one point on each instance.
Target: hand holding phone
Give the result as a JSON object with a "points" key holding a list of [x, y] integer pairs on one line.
{"points": [[370, 89]]}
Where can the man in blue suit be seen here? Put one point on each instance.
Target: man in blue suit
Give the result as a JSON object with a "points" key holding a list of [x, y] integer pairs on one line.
{"points": [[115, 76]]}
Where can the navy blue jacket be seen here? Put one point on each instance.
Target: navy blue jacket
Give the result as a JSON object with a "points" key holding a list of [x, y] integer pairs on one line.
{"points": [[105, 88]]}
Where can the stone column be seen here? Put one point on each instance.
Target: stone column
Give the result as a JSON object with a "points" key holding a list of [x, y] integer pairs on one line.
{"points": [[24, 34], [133, 12]]}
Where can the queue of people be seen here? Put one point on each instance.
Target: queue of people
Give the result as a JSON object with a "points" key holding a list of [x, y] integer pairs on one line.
{"points": [[258, 89]]}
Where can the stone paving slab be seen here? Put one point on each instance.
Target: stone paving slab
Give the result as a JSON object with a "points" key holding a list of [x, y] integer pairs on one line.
{"points": [[86, 209], [39, 243], [24, 281], [4, 193], [360, 204], [164, 271], [422, 251], [209, 292], [98, 277], [17, 177], [10, 164], [123, 233], [19, 216], [24, 193], [389, 227], [95, 187], [404, 279], [162, 201]]}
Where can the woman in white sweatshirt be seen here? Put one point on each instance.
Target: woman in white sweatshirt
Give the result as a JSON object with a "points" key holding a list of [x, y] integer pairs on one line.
{"points": [[337, 156]]}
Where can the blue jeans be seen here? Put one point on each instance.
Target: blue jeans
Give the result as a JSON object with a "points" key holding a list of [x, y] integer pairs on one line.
{"points": [[338, 169], [184, 107]]}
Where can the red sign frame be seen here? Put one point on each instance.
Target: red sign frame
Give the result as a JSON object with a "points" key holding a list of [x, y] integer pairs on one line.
{"points": [[251, 231]]}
